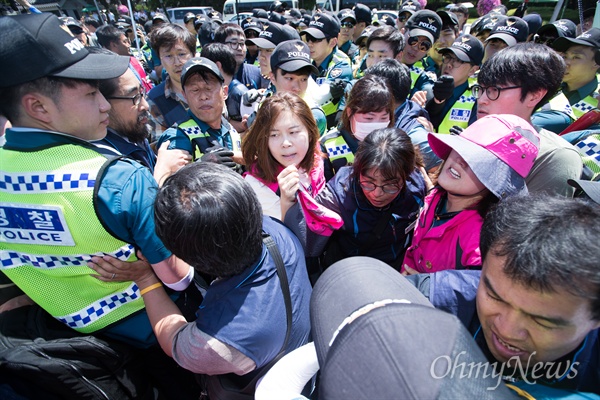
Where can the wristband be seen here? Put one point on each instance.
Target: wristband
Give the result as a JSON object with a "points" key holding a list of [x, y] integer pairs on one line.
{"points": [[150, 288]]}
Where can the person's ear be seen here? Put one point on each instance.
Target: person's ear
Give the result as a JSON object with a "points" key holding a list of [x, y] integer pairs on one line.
{"points": [[333, 42], [38, 107], [533, 98], [473, 69], [225, 92]]}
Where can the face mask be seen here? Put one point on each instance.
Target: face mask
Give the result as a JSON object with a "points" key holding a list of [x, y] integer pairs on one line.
{"points": [[362, 129]]}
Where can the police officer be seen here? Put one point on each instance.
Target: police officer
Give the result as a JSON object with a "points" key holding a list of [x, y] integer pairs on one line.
{"points": [[582, 57], [206, 134], [421, 31], [347, 24], [332, 64], [76, 190], [453, 103]]}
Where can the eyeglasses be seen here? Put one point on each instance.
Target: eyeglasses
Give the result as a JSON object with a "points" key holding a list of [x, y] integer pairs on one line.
{"points": [[235, 45], [347, 25], [137, 99], [492, 92], [310, 39], [455, 62], [402, 18], [423, 46], [389, 188]]}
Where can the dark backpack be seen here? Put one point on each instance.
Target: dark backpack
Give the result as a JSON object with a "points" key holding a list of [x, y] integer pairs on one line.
{"points": [[41, 358]]}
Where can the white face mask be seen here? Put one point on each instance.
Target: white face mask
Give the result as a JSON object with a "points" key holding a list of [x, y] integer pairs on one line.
{"points": [[362, 129]]}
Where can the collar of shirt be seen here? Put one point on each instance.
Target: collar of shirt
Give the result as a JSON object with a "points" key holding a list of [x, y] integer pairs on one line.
{"points": [[575, 96], [324, 65], [221, 135], [20, 138], [170, 91]]}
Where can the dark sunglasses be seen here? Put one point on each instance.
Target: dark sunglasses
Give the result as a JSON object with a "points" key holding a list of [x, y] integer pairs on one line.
{"points": [[423, 46]]}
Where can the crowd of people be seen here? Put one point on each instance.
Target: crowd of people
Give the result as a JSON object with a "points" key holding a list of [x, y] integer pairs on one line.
{"points": [[293, 206]]}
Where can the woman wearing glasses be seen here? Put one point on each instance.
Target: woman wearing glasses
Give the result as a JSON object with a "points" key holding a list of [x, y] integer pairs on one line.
{"points": [[378, 199]]}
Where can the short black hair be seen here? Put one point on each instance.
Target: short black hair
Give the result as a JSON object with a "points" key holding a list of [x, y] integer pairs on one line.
{"points": [[91, 22], [227, 29], [108, 34], [167, 35], [532, 66], [548, 242], [222, 53], [397, 76], [389, 35], [210, 217]]}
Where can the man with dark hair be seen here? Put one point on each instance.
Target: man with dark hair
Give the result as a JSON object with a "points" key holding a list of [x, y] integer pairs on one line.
{"points": [[91, 25], [174, 45], [406, 112], [518, 80], [212, 218], [462, 14], [385, 42], [233, 36], [534, 308], [112, 38], [81, 200]]}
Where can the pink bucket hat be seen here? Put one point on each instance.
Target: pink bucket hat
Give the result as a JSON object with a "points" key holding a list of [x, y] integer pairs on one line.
{"points": [[500, 150]]}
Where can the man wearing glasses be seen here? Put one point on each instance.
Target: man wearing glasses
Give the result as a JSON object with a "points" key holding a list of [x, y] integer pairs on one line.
{"points": [[128, 126], [233, 36], [347, 24], [174, 45], [517, 80], [455, 107], [421, 31]]}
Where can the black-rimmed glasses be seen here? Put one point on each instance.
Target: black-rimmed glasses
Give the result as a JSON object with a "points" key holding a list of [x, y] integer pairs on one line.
{"points": [[492, 92], [235, 45], [455, 62], [137, 99], [389, 188], [347, 25]]}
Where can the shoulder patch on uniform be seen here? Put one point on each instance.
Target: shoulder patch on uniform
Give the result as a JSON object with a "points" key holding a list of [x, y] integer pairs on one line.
{"points": [[336, 72], [431, 75]]}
